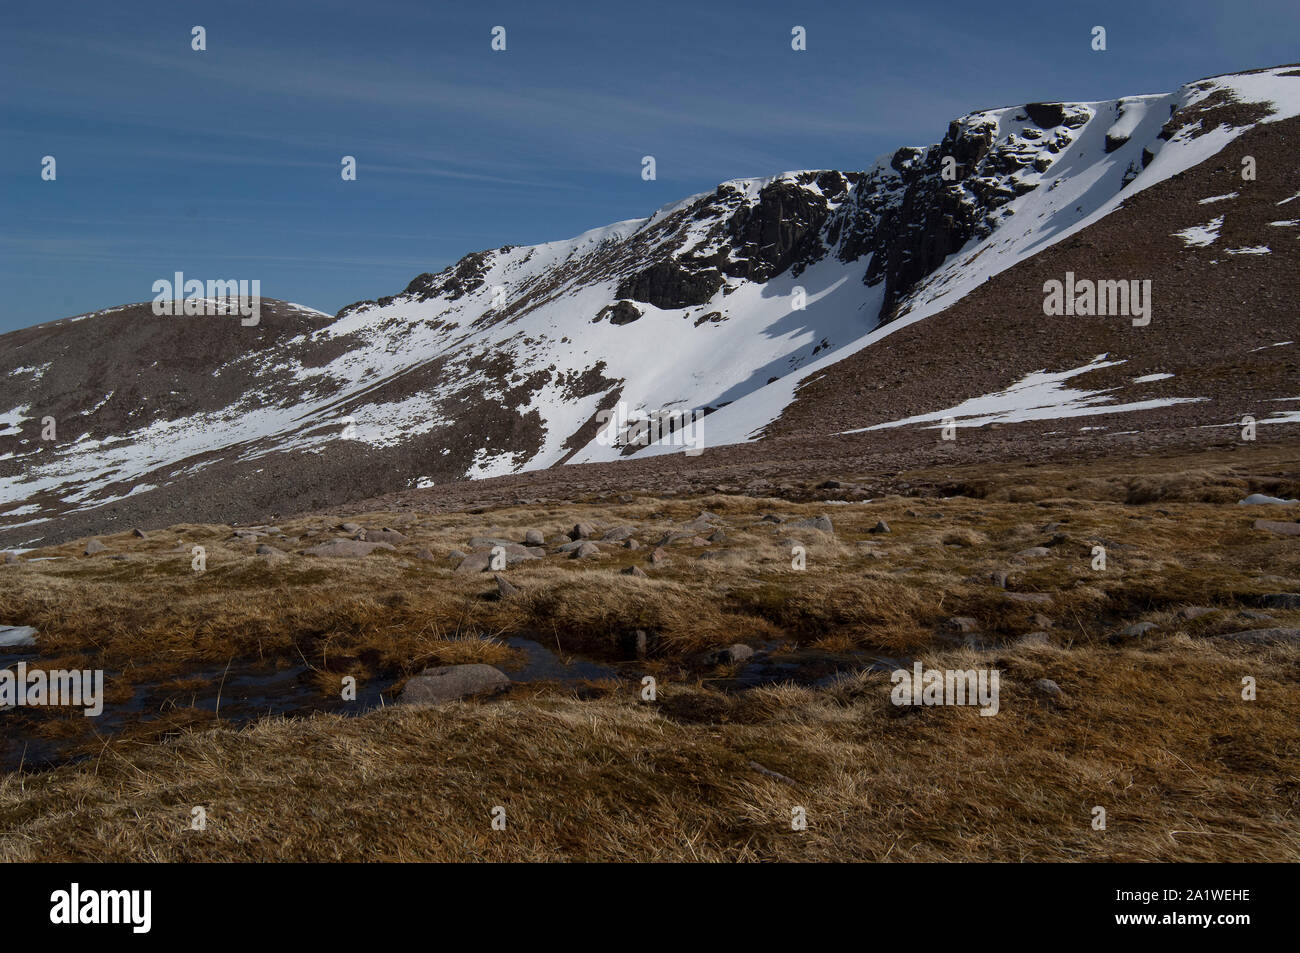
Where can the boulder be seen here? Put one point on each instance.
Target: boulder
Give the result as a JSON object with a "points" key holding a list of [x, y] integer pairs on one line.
{"points": [[93, 547], [633, 571], [435, 686], [385, 535], [534, 537], [582, 531], [880, 527], [658, 558], [1265, 636], [505, 588], [822, 523], [585, 551], [736, 652], [1261, 499], [138, 533]]}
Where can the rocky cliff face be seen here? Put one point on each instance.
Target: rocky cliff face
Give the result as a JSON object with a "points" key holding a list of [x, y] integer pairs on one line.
{"points": [[721, 302]]}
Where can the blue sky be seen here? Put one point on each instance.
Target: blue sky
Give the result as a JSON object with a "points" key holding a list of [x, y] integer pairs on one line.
{"points": [[225, 163]]}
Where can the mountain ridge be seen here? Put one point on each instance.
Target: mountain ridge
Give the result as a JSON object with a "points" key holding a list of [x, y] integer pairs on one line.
{"points": [[502, 361]]}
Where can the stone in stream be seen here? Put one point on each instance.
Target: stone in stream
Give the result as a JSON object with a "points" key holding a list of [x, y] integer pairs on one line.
{"points": [[448, 683], [346, 548], [736, 652]]}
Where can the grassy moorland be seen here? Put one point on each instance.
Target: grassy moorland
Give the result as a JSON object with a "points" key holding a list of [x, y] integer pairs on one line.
{"points": [[1152, 726]]}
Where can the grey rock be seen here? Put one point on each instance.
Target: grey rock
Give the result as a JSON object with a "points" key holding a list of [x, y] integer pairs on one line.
{"points": [[138, 533], [880, 527], [1265, 636], [12, 558], [534, 537], [505, 588], [582, 531], [385, 535], [425, 553], [1137, 629], [264, 550], [475, 562], [93, 547], [456, 554], [962, 624], [350, 527], [618, 534], [1261, 499], [736, 652], [15, 636], [659, 558], [1048, 687], [585, 551], [822, 523], [1194, 612], [631, 544], [1034, 552], [1034, 639], [448, 683], [633, 571]]}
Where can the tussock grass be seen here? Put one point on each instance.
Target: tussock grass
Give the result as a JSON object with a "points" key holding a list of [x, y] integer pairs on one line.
{"points": [[1151, 727]]}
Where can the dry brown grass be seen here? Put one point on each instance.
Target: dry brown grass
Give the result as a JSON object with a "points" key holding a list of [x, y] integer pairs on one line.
{"points": [[1159, 736], [1152, 728]]}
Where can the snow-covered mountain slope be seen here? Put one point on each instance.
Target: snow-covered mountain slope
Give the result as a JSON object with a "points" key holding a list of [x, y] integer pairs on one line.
{"points": [[725, 302]]}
